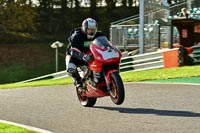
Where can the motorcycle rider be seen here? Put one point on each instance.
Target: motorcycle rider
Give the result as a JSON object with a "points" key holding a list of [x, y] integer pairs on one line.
{"points": [[79, 41]]}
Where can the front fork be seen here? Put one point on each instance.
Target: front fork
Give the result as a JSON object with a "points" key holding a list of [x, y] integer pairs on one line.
{"points": [[107, 77]]}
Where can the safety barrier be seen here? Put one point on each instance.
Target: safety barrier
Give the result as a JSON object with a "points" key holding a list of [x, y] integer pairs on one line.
{"points": [[57, 75], [142, 62], [160, 59], [196, 54]]}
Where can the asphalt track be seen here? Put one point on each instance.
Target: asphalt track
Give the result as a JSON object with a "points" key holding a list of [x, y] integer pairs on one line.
{"points": [[148, 108]]}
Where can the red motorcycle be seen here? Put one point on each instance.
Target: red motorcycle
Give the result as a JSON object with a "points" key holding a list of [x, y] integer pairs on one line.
{"points": [[101, 75]]}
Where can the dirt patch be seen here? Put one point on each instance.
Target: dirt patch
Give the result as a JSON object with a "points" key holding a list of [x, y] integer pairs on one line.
{"points": [[20, 62], [28, 54]]}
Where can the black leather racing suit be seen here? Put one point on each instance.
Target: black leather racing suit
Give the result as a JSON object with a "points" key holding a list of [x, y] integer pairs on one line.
{"points": [[78, 46]]}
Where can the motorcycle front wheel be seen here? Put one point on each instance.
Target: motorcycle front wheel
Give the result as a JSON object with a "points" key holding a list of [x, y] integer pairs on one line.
{"points": [[86, 101], [117, 93]]}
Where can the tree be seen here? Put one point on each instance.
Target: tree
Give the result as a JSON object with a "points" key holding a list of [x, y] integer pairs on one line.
{"points": [[124, 3], [17, 16], [93, 6], [130, 3], [77, 5], [111, 4], [63, 13], [46, 14]]}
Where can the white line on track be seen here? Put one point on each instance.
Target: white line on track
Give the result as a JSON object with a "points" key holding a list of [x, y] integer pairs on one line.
{"points": [[165, 83], [26, 127]]}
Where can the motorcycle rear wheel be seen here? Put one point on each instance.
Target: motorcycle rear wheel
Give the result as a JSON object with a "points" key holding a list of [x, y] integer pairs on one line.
{"points": [[117, 93], [86, 101]]}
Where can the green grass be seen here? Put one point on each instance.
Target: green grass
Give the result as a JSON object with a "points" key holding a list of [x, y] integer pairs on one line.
{"points": [[38, 83], [157, 74], [194, 80], [7, 128], [146, 75]]}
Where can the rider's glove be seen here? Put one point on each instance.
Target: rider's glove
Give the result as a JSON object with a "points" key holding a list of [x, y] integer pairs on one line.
{"points": [[86, 58]]}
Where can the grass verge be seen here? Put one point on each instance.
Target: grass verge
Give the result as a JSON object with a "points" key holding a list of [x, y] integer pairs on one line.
{"points": [[7, 128], [164, 74], [146, 75]]}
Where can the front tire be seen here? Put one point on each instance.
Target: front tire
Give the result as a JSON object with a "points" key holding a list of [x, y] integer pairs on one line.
{"points": [[117, 93], [86, 101]]}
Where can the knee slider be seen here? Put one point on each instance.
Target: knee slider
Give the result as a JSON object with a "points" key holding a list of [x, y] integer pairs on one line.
{"points": [[71, 71]]}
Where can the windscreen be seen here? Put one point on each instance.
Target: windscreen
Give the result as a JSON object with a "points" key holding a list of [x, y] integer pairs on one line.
{"points": [[102, 41]]}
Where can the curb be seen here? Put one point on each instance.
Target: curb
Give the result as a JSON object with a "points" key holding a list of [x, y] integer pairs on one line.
{"points": [[26, 127]]}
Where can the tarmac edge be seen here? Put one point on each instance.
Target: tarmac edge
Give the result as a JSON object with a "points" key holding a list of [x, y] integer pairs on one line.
{"points": [[26, 126]]}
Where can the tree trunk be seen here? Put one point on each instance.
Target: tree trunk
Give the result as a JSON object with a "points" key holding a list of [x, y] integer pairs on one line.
{"points": [[110, 4], [93, 6]]}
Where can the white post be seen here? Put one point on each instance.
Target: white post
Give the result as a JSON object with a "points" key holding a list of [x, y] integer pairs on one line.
{"points": [[56, 59], [141, 28], [56, 45]]}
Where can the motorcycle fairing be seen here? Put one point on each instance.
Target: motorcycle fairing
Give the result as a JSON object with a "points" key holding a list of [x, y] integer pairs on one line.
{"points": [[103, 57], [93, 92], [108, 54]]}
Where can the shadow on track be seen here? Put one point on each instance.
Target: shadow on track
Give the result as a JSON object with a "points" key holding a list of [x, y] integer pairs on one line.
{"points": [[151, 111]]}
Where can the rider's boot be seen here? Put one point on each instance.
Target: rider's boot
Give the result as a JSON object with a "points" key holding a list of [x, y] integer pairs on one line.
{"points": [[79, 84], [76, 78]]}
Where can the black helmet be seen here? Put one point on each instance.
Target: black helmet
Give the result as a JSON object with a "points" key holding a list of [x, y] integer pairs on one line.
{"points": [[89, 27]]}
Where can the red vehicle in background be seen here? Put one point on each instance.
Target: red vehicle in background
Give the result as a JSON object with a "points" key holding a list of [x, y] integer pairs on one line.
{"points": [[101, 75]]}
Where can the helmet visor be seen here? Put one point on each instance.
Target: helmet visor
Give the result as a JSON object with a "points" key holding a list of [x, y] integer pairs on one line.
{"points": [[91, 31]]}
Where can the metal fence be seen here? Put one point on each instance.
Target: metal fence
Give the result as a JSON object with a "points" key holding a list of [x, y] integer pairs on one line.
{"points": [[125, 34]]}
